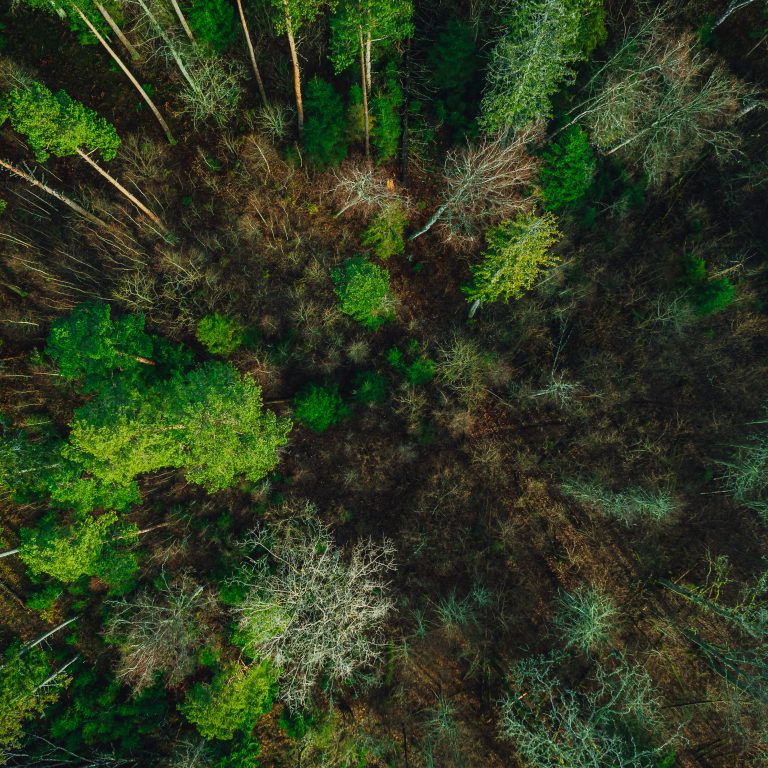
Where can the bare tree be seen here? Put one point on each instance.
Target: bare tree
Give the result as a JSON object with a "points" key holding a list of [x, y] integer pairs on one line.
{"points": [[369, 188], [659, 100], [159, 632], [484, 183], [314, 612]]}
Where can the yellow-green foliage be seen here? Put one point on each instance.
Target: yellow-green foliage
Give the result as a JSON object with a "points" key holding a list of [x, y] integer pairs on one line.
{"points": [[517, 252]]}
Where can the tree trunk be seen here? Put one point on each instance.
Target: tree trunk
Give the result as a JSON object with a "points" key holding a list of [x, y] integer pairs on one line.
{"points": [[128, 74], [406, 100], [117, 185], [171, 47], [183, 21], [296, 70], [733, 6], [368, 45], [58, 195], [118, 32], [48, 634], [252, 54], [57, 672], [365, 97], [435, 218], [9, 552]]}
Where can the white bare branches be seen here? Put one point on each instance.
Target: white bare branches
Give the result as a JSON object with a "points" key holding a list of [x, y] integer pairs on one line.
{"points": [[314, 612], [484, 183], [660, 99], [159, 632], [366, 187]]}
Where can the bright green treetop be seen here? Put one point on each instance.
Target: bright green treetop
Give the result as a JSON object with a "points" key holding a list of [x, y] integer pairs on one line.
{"points": [[234, 701], [55, 124], [22, 695], [363, 288], [517, 252], [221, 335], [385, 20], [531, 61], [83, 548], [209, 422], [88, 344]]}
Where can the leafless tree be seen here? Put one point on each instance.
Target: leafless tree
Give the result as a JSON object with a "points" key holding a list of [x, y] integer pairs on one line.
{"points": [[313, 611], [365, 187], [484, 183], [660, 99], [159, 632]]}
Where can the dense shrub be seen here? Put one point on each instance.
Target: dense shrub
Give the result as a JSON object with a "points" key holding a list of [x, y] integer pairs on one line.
{"points": [[584, 618], [324, 130], [363, 289], [370, 387], [220, 335], [568, 169], [418, 371], [707, 294], [319, 407]]}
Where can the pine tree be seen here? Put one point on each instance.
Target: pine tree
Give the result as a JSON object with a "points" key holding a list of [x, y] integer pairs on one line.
{"points": [[517, 252]]}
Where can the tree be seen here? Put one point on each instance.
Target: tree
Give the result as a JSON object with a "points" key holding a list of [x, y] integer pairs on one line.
{"points": [[484, 183], [356, 25], [567, 170], [364, 292], [317, 614], [252, 54], [660, 99], [236, 698], [77, 11], [27, 686], [531, 61], [319, 407], [219, 334], [386, 106], [290, 17], [212, 83], [55, 124], [209, 421], [89, 346], [611, 724], [385, 234], [84, 548], [324, 137], [159, 632], [517, 252], [584, 618]]}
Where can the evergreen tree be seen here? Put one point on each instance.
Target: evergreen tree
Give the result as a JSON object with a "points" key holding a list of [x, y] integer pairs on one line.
{"points": [[324, 134], [364, 291], [531, 61], [517, 252], [568, 169]]}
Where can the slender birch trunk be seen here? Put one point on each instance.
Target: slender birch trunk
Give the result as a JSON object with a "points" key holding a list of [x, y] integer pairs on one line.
{"points": [[252, 54], [366, 122], [9, 552], [296, 69], [368, 46], [49, 634], [118, 32], [53, 193], [734, 6], [435, 218], [128, 74], [58, 672], [183, 21], [171, 47], [117, 185]]}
